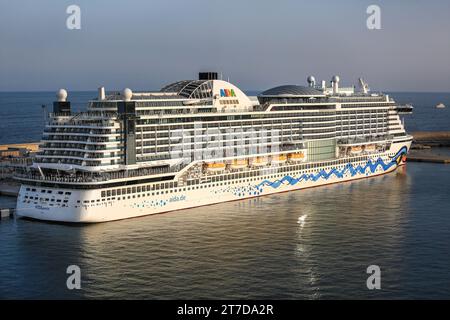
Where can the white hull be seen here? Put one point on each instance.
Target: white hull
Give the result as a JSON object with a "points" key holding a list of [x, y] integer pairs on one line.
{"points": [[182, 198]]}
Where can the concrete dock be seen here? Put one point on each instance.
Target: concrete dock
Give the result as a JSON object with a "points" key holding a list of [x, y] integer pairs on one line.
{"points": [[416, 156], [30, 146], [432, 138], [428, 146], [9, 188], [7, 213]]}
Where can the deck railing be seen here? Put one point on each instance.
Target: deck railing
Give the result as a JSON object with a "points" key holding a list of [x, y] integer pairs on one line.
{"points": [[95, 177]]}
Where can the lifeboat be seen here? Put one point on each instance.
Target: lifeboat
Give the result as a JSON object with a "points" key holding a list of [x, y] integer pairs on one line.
{"points": [[238, 164], [259, 161], [370, 148], [295, 157], [281, 158], [215, 166], [356, 149]]}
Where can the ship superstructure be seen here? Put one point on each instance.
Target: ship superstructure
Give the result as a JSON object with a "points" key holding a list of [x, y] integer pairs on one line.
{"points": [[199, 142]]}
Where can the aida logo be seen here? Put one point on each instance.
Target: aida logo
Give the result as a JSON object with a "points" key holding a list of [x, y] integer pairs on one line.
{"points": [[227, 93]]}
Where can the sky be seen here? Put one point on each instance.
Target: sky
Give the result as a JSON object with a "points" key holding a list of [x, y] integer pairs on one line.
{"points": [[256, 44]]}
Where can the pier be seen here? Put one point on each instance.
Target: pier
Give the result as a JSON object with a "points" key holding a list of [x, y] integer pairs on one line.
{"points": [[431, 138], [30, 146], [426, 147], [9, 188], [417, 156]]}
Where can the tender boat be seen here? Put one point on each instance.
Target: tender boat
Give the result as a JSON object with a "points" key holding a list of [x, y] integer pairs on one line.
{"points": [[215, 166], [295, 157], [239, 164], [281, 158]]}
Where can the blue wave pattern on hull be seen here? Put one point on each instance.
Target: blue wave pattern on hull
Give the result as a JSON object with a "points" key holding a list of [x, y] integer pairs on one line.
{"points": [[338, 173]]}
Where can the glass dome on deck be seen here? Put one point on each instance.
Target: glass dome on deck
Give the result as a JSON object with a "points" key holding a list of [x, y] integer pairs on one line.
{"points": [[292, 91], [193, 89]]}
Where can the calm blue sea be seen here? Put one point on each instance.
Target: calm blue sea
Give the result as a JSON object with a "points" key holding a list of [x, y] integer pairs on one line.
{"points": [[309, 244]]}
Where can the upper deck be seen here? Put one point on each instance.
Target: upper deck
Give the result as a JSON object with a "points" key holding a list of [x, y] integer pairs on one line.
{"points": [[138, 131]]}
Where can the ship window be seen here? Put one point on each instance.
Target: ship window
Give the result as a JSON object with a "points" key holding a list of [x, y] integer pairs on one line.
{"points": [[133, 190], [60, 192], [42, 191], [138, 189], [119, 192], [128, 191], [103, 194], [33, 189], [113, 192], [108, 193], [68, 193], [66, 201]]}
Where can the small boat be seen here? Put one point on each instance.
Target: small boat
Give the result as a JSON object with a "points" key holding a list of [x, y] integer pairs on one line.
{"points": [[356, 149], [298, 156], [370, 148], [440, 106], [238, 164], [281, 158], [215, 166], [259, 161]]}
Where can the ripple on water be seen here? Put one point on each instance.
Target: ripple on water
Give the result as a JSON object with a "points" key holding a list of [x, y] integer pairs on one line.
{"points": [[309, 244]]}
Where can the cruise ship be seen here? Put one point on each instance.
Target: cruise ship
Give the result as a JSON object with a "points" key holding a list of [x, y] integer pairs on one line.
{"points": [[204, 141]]}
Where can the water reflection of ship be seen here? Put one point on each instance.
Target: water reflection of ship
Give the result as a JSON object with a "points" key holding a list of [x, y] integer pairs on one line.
{"points": [[358, 211], [314, 224]]}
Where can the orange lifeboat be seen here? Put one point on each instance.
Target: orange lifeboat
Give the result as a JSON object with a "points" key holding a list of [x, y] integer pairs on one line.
{"points": [[259, 161], [295, 157], [281, 158], [215, 166], [356, 150], [238, 164], [370, 148]]}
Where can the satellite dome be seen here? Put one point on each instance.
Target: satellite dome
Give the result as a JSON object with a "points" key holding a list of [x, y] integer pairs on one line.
{"points": [[335, 79], [311, 79], [127, 94], [61, 95]]}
